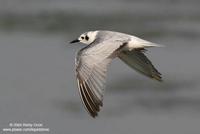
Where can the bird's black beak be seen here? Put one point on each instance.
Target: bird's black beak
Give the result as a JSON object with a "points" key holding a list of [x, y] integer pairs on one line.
{"points": [[74, 41]]}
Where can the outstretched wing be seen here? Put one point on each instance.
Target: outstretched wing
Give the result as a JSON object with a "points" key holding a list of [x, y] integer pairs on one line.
{"points": [[91, 68], [138, 61]]}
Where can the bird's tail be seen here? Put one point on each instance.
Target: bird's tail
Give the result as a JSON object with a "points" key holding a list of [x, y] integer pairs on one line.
{"points": [[150, 44], [138, 61]]}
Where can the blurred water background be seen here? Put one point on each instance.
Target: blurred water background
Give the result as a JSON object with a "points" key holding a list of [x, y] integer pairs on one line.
{"points": [[37, 82]]}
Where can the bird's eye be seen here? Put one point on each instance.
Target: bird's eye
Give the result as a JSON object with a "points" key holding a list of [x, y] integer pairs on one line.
{"points": [[82, 37], [87, 38]]}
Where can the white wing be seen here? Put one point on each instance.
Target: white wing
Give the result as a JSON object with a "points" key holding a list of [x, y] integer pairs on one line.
{"points": [[91, 68]]}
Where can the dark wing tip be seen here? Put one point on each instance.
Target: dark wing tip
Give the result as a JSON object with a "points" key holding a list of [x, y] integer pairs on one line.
{"points": [[91, 104], [155, 74], [157, 77]]}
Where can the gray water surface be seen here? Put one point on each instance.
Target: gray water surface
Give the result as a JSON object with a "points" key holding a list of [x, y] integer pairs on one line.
{"points": [[37, 81]]}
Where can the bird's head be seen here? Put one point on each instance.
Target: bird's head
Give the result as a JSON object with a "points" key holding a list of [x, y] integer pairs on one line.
{"points": [[86, 38]]}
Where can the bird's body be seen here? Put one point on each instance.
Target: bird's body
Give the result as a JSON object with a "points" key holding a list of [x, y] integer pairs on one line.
{"points": [[92, 62]]}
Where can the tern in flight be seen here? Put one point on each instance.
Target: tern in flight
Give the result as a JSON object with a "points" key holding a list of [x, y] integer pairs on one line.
{"points": [[92, 62]]}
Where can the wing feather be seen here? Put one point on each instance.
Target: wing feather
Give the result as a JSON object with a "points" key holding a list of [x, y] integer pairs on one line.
{"points": [[91, 69], [138, 61]]}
